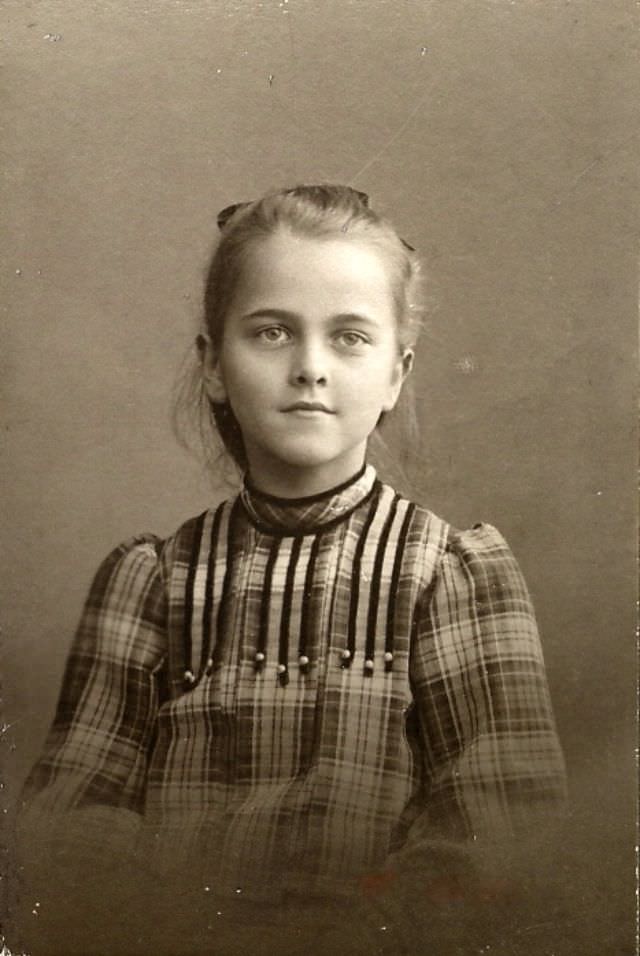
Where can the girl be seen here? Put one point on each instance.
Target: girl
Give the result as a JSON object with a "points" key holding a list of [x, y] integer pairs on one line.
{"points": [[318, 693]]}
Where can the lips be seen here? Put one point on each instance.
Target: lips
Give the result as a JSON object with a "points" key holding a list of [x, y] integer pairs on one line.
{"points": [[309, 407]]}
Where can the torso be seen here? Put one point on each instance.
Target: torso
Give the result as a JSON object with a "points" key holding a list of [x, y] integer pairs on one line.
{"points": [[271, 771]]}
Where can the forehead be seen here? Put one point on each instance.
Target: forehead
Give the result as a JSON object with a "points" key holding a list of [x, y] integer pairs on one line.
{"points": [[330, 272]]}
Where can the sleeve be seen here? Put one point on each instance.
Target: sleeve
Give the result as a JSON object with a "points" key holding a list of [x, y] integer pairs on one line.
{"points": [[477, 855], [87, 790], [484, 727]]}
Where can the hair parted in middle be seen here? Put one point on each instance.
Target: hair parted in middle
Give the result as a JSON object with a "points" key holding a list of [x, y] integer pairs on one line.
{"points": [[320, 212]]}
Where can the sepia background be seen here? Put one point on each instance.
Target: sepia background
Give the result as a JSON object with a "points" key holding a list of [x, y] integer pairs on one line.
{"points": [[498, 134]]}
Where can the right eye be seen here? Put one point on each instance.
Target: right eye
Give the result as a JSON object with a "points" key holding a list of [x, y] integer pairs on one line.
{"points": [[272, 334]]}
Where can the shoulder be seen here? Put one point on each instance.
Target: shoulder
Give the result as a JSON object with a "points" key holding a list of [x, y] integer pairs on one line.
{"points": [[481, 558], [195, 537], [476, 550], [481, 539], [147, 554], [124, 611], [421, 528], [476, 611], [472, 563], [478, 593], [135, 557], [480, 544]]}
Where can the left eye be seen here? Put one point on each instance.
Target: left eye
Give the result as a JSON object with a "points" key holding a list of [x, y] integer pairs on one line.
{"points": [[352, 339]]}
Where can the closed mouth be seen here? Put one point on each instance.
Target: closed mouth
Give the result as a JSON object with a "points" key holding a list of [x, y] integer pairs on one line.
{"points": [[308, 407]]}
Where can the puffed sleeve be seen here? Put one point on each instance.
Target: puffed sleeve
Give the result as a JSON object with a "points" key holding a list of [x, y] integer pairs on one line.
{"points": [[86, 792], [477, 858], [493, 767]]}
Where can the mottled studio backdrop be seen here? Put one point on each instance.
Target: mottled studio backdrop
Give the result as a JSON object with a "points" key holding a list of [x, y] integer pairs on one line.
{"points": [[499, 135]]}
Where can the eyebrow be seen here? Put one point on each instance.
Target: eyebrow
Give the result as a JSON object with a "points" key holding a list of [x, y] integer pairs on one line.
{"points": [[284, 315]]}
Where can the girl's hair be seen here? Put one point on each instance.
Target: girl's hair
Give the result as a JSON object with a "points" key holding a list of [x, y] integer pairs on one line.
{"points": [[319, 212]]}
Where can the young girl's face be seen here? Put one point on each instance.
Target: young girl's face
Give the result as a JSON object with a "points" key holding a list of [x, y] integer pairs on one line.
{"points": [[309, 359]]}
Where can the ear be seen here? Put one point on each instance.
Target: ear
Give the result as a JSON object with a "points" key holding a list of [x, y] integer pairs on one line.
{"points": [[401, 369], [211, 373]]}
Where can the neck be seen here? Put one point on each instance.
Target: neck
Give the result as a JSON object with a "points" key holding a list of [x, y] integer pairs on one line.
{"points": [[308, 513], [286, 481]]}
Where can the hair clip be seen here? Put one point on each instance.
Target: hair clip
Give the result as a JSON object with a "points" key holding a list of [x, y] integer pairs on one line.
{"points": [[225, 214]]}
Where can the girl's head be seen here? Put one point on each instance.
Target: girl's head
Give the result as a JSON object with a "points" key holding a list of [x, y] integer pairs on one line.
{"points": [[309, 297]]}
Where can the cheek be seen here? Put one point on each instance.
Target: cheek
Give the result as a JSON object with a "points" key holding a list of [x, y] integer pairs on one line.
{"points": [[371, 383], [250, 391], [364, 403], [237, 373]]}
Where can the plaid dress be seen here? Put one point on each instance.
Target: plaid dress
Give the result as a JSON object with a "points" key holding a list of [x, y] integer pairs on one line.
{"points": [[292, 693]]}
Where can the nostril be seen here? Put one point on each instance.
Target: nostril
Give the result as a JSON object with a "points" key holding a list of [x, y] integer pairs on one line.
{"points": [[306, 377]]}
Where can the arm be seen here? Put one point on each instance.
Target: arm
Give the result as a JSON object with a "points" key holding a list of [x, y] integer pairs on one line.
{"points": [[493, 767], [87, 790], [477, 845]]}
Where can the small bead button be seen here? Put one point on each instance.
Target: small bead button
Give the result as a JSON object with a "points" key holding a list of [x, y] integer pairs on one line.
{"points": [[346, 655], [189, 676], [282, 668], [369, 665], [388, 657], [303, 660], [259, 657]]}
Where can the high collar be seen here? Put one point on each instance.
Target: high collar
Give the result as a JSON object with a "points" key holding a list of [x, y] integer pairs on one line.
{"points": [[305, 515]]}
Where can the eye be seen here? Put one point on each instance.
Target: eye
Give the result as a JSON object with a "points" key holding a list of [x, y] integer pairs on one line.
{"points": [[272, 334], [352, 339]]}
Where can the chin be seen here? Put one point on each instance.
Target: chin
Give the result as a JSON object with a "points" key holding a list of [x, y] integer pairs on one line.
{"points": [[303, 454]]}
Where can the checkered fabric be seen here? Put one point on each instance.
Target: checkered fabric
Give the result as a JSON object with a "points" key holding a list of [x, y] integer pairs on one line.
{"points": [[290, 694]]}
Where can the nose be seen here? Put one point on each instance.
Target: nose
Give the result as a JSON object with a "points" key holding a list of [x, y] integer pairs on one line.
{"points": [[309, 366]]}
